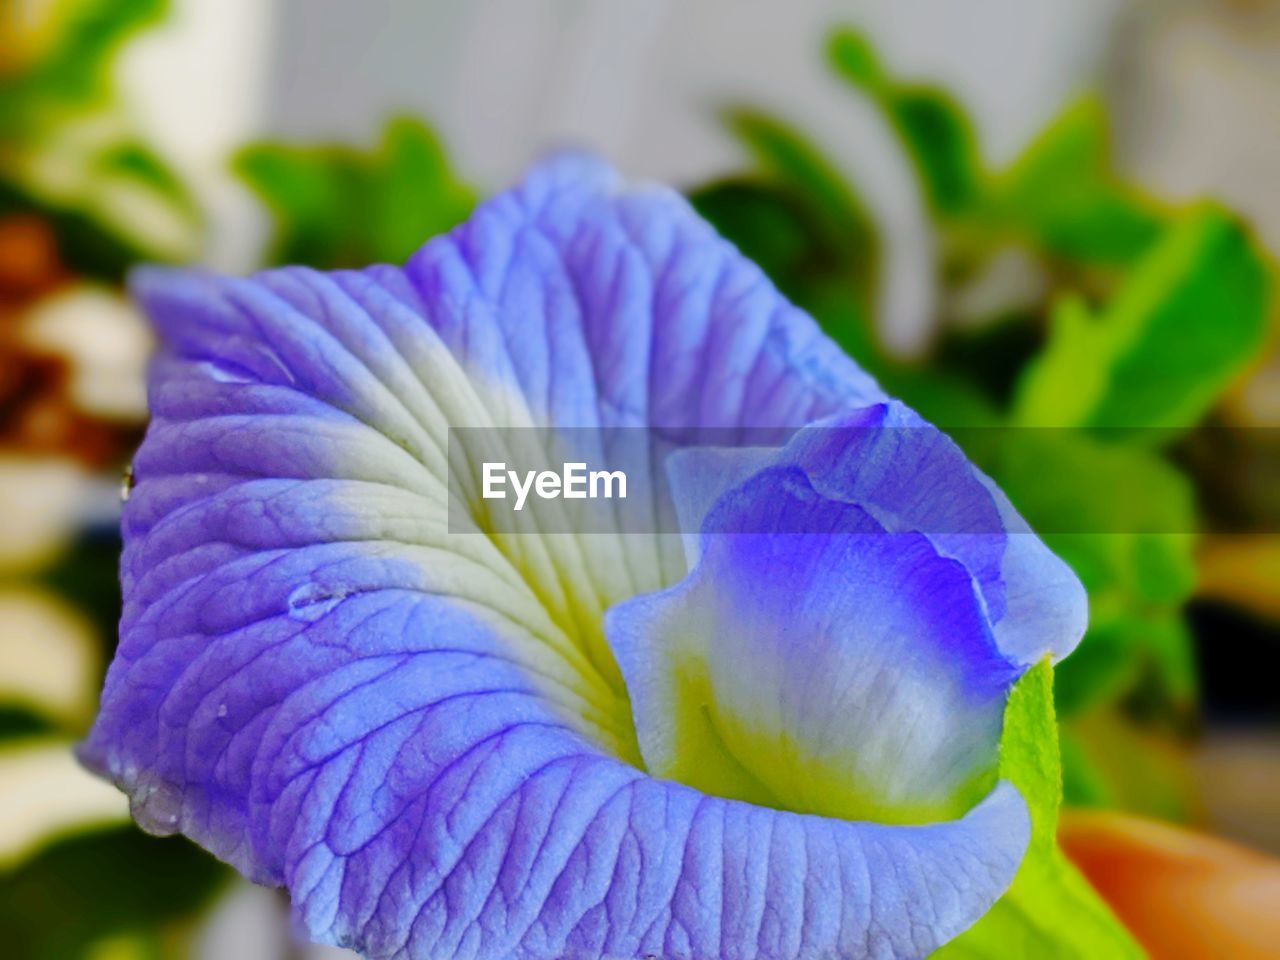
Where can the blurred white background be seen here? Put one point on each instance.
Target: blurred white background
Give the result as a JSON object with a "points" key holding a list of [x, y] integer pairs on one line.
{"points": [[640, 81]]}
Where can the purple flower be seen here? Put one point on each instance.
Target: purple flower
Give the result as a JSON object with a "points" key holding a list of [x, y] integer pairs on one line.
{"points": [[776, 740]]}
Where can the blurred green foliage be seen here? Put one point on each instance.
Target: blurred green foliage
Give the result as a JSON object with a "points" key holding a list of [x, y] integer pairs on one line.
{"points": [[942, 145], [335, 206], [1141, 314], [801, 223], [67, 146], [1160, 350], [119, 886], [71, 160], [1062, 196]]}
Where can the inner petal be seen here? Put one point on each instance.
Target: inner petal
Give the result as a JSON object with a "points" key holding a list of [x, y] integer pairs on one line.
{"points": [[846, 671]]}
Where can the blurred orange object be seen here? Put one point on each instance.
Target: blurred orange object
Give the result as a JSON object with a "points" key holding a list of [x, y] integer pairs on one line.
{"points": [[39, 415], [29, 264], [1183, 895]]}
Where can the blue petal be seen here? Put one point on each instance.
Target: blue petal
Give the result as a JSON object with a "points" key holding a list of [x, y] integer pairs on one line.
{"points": [[424, 735], [385, 758], [912, 478], [618, 306]]}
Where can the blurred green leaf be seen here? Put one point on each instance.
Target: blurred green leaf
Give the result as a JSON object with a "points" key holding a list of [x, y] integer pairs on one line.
{"points": [[1114, 656], [785, 156], [797, 218], [772, 226], [1058, 387], [1187, 319], [1083, 783], [989, 357], [942, 145], [339, 207], [84, 245], [419, 195], [846, 316], [1064, 196], [854, 58], [1132, 639], [1050, 910], [103, 884], [944, 399], [1121, 515], [20, 723], [1170, 647], [67, 145], [1117, 763], [1102, 668], [935, 131], [1124, 519], [313, 195], [63, 62]]}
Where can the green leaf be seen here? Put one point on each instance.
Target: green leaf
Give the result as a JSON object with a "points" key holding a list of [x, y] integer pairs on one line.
{"points": [[854, 58], [1185, 322], [1122, 653], [771, 225], [783, 154], [1050, 911], [415, 194], [1171, 649], [1062, 194], [990, 354], [312, 193], [335, 206], [1074, 355], [934, 129], [847, 316], [941, 143], [799, 220]]}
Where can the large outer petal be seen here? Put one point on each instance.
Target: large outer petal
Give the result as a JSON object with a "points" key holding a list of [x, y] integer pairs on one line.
{"points": [[389, 760], [413, 730]]}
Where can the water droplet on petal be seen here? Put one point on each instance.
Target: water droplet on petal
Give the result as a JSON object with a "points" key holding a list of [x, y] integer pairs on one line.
{"points": [[225, 372], [157, 808], [311, 601]]}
